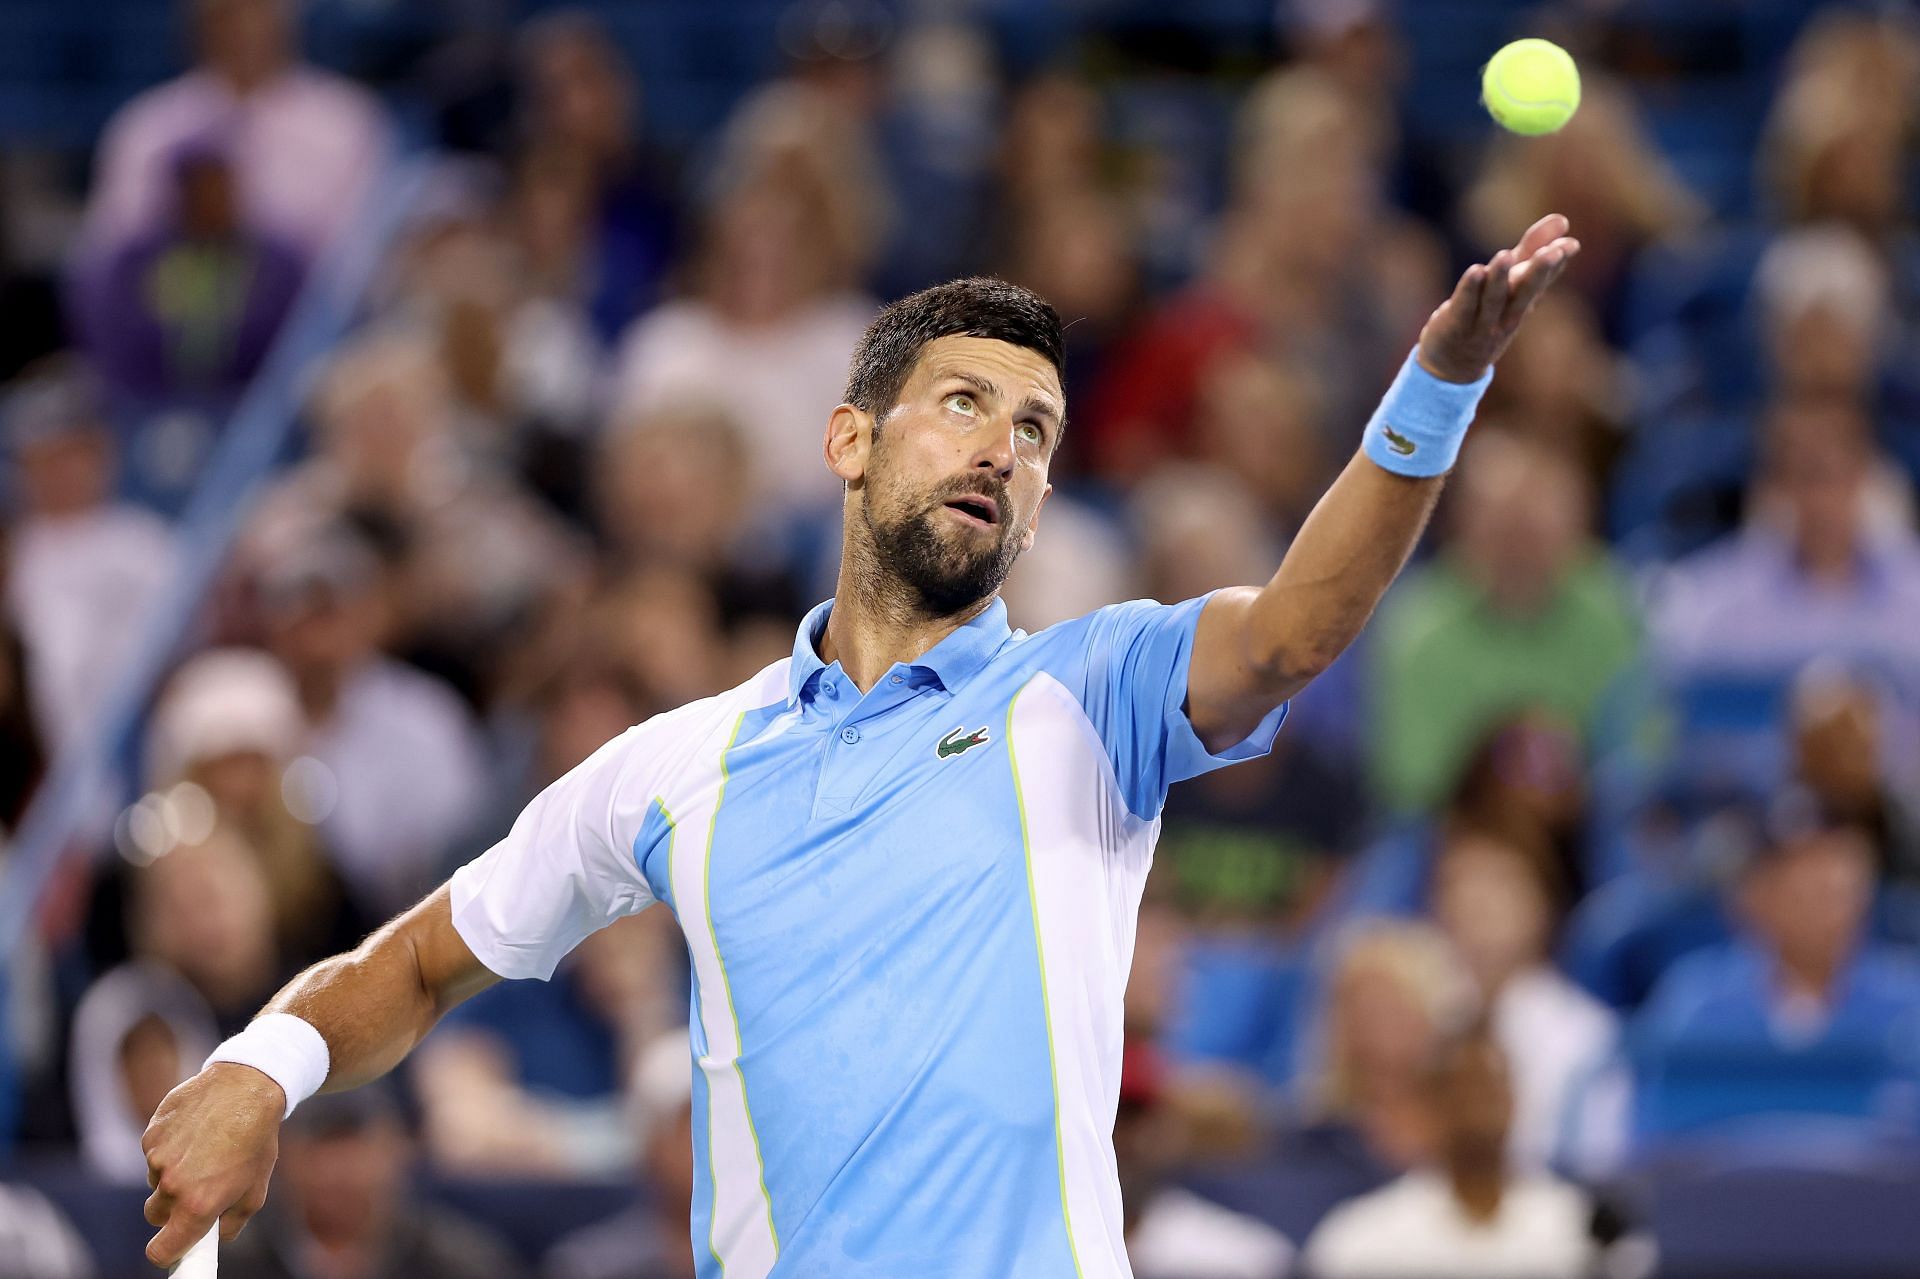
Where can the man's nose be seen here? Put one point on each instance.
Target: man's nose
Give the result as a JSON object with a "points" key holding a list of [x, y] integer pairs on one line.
{"points": [[996, 452]]}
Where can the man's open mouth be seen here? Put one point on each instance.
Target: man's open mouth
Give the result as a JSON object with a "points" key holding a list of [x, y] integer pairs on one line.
{"points": [[981, 510]]}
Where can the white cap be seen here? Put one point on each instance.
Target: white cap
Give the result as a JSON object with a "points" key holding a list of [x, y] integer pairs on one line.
{"points": [[224, 702]]}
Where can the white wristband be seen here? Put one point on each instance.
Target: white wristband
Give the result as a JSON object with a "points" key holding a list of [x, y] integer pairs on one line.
{"points": [[285, 1049]]}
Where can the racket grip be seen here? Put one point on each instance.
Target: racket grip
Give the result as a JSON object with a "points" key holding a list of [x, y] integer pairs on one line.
{"points": [[201, 1261]]}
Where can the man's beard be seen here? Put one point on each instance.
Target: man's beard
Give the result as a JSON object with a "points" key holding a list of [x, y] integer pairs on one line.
{"points": [[947, 574]]}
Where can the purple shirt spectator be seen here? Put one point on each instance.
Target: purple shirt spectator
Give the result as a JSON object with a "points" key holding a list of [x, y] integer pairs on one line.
{"points": [[306, 143], [1815, 576], [193, 306]]}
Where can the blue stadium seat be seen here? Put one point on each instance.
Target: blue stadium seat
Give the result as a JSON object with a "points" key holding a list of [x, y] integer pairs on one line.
{"points": [[1793, 1202]]}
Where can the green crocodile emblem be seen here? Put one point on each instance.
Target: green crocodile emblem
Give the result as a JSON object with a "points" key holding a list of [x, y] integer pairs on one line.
{"points": [[1397, 442], [959, 742]]}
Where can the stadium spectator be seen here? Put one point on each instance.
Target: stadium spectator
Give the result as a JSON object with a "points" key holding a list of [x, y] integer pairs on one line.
{"points": [[1310, 171], [672, 489], [345, 1207], [1835, 143], [23, 746], [1266, 423], [1394, 991], [1562, 385], [1811, 577], [1283, 276], [203, 909], [1826, 308], [1053, 146], [138, 1031], [648, 1240], [85, 568], [521, 365], [471, 552], [1844, 753], [1251, 846], [1359, 45], [36, 1241], [527, 1078], [1497, 905], [190, 308], [1804, 1014], [399, 771], [1171, 1232], [1465, 1212], [1520, 609], [661, 627], [765, 332], [593, 214], [204, 956], [1198, 528], [306, 144], [230, 729]]}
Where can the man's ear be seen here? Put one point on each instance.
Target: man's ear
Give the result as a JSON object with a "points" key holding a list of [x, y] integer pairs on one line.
{"points": [[849, 442], [1033, 525]]}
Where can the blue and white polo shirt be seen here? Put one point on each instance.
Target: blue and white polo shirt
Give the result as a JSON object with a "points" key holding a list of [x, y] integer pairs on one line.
{"points": [[910, 915]]}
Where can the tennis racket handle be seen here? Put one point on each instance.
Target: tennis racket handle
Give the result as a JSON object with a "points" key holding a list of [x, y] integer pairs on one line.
{"points": [[202, 1260]]}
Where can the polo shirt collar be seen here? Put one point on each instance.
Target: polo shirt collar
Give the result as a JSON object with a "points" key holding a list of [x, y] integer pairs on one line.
{"points": [[953, 661]]}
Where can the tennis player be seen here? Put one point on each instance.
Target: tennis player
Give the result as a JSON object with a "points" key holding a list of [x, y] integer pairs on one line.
{"points": [[907, 859]]}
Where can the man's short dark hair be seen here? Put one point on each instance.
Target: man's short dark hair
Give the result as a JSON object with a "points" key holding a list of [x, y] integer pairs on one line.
{"points": [[978, 306]]}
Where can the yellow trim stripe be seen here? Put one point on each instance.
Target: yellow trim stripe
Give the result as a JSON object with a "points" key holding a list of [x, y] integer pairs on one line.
{"points": [[1046, 1005]]}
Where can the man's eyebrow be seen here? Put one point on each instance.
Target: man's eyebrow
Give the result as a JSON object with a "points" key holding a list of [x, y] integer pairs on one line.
{"points": [[1032, 404], [975, 381], [1041, 405]]}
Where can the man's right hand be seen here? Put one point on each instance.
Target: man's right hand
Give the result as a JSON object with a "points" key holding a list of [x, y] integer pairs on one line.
{"points": [[210, 1150]]}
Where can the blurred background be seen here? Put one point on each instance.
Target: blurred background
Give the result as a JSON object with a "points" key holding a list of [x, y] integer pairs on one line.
{"points": [[401, 397]]}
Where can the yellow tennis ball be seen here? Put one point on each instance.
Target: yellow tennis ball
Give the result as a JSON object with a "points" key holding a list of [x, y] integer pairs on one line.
{"points": [[1531, 87]]}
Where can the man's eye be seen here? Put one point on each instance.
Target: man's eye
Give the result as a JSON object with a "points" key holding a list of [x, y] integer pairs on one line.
{"points": [[1032, 433], [960, 402]]}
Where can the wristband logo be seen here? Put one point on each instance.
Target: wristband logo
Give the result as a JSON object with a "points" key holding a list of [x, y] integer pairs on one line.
{"points": [[1397, 442]]}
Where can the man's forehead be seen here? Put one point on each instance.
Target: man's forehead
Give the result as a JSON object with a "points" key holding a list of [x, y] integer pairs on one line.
{"points": [[1016, 371]]}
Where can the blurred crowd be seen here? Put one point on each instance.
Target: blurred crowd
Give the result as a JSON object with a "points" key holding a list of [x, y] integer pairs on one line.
{"points": [[1605, 839]]}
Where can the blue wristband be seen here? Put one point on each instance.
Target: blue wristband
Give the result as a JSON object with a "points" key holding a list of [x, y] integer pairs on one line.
{"points": [[1421, 421]]}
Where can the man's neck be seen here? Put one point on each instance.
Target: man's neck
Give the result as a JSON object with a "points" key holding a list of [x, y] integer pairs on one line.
{"points": [[242, 81], [1478, 1188], [320, 691], [874, 625], [1811, 980], [1835, 566]]}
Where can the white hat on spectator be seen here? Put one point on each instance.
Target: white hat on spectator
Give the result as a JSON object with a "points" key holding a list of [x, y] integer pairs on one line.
{"points": [[228, 701]]}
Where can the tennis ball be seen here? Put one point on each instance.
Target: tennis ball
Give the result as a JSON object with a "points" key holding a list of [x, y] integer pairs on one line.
{"points": [[1531, 87]]}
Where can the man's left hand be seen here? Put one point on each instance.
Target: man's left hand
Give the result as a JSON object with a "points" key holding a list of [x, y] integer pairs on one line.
{"points": [[1473, 327]]}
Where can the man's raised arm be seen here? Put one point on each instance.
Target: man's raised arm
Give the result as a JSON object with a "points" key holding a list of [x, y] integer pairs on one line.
{"points": [[212, 1143], [1257, 646]]}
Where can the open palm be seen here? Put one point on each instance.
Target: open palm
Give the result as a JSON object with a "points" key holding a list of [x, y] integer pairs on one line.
{"points": [[1473, 327]]}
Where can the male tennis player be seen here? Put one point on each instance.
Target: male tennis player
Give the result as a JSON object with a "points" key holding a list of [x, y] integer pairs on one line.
{"points": [[906, 860]]}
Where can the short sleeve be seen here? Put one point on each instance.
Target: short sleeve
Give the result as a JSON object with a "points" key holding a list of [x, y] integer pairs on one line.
{"points": [[565, 870], [1137, 661]]}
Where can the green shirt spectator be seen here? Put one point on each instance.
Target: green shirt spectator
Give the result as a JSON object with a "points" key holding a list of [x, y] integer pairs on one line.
{"points": [[1521, 610]]}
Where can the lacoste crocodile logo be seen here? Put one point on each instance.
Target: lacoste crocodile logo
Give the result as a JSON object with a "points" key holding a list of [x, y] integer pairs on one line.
{"points": [[1397, 442], [960, 741]]}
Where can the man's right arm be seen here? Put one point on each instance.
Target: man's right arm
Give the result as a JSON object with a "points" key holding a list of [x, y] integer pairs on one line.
{"points": [[212, 1143]]}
